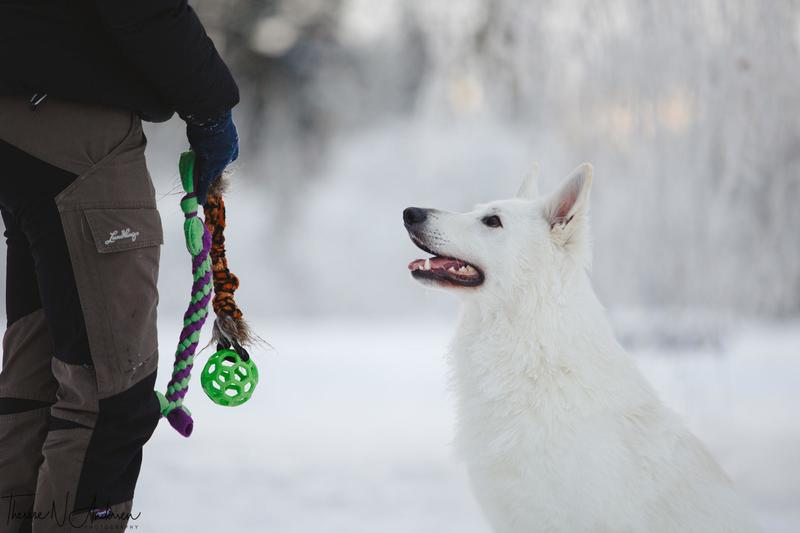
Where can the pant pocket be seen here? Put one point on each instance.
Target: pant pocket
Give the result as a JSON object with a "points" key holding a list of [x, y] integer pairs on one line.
{"points": [[115, 255]]}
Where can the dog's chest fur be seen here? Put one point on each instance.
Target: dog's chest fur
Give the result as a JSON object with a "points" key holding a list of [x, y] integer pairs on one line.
{"points": [[561, 433]]}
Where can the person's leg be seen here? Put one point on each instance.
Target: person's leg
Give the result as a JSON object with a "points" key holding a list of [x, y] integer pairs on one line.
{"points": [[99, 298], [28, 194], [27, 386]]}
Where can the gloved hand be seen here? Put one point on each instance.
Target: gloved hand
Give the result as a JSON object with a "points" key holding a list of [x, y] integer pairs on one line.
{"points": [[215, 144]]}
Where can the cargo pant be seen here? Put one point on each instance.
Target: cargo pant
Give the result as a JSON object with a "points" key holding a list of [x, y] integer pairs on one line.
{"points": [[80, 348]]}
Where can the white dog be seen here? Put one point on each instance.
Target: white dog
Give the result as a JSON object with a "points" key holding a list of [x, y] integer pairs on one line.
{"points": [[560, 431]]}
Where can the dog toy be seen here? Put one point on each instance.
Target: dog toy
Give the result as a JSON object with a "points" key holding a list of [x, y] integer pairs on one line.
{"points": [[230, 376], [229, 379]]}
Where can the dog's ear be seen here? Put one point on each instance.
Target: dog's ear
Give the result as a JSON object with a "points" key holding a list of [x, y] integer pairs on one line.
{"points": [[530, 185], [566, 209]]}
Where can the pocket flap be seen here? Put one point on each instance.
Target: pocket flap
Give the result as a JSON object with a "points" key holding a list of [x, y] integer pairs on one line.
{"points": [[117, 230]]}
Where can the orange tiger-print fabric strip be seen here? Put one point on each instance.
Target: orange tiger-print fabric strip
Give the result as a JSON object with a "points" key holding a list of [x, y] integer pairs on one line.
{"points": [[225, 281]]}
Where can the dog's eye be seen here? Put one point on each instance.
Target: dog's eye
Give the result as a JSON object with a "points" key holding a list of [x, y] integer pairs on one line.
{"points": [[492, 221]]}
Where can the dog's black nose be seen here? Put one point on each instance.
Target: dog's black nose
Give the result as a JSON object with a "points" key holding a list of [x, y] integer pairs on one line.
{"points": [[414, 215]]}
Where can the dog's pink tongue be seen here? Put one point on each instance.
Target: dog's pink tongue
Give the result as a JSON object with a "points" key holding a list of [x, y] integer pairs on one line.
{"points": [[434, 263]]}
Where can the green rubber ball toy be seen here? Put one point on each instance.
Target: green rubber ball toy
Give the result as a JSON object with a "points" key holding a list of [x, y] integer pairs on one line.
{"points": [[228, 379]]}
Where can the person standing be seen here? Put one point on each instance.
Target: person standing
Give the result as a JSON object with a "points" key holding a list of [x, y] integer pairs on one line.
{"points": [[83, 241]]}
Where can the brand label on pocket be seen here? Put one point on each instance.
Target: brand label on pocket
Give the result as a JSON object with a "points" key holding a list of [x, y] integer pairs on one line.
{"points": [[120, 235]]}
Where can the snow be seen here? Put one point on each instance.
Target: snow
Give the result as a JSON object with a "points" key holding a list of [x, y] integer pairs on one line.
{"points": [[349, 431]]}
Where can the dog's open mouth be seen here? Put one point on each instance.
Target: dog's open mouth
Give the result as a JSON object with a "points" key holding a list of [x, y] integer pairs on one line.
{"points": [[446, 270]]}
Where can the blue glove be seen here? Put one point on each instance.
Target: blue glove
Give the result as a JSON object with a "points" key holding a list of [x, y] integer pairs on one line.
{"points": [[215, 144]]}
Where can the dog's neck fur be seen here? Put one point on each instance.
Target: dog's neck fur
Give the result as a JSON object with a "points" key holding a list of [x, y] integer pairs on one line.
{"points": [[540, 357], [553, 321]]}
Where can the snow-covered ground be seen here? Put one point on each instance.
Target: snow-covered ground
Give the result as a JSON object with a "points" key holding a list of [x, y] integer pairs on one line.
{"points": [[349, 432]]}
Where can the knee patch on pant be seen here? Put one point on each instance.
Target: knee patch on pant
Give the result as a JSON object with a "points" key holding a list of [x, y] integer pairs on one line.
{"points": [[125, 422], [96, 468]]}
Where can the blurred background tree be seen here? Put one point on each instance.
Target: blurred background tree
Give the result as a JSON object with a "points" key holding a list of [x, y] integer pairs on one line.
{"points": [[686, 108]]}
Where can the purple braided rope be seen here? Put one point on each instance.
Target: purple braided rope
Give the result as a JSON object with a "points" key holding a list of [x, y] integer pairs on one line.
{"points": [[178, 417]]}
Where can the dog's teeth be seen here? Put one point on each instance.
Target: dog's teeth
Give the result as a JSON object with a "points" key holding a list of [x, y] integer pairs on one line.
{"points": [[427, 264], [452, 269]]}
